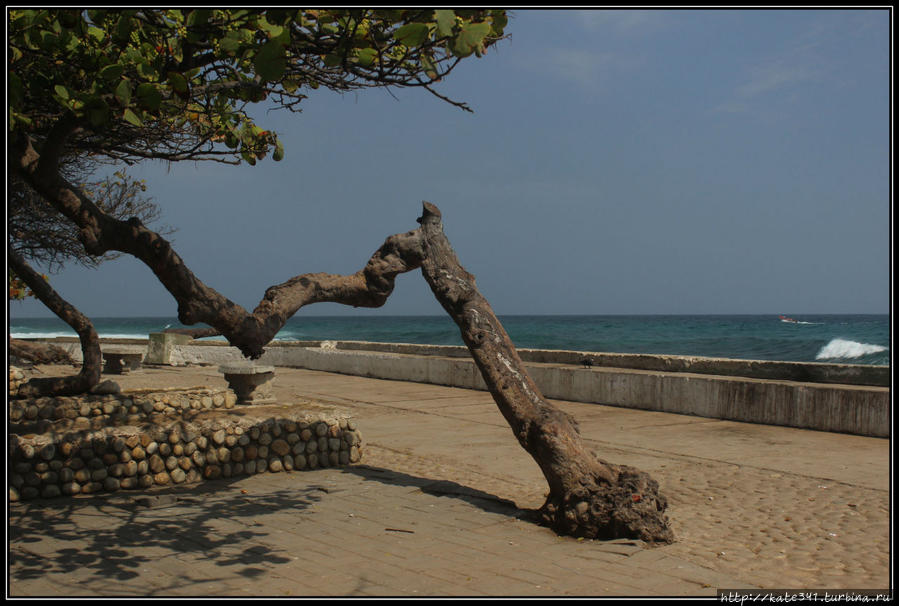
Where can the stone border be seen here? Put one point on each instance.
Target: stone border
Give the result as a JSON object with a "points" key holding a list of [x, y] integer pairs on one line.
{"points": [[126, 457]]}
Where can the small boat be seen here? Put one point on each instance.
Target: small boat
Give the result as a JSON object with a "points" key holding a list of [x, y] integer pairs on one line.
{"points": [[786, 319]]}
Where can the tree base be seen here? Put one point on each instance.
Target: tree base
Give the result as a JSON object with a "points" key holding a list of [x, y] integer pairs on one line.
{"points": [[630, 508]]}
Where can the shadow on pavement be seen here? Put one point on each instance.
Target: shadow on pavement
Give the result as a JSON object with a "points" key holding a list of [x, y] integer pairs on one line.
{"points": [[442, 488], [111, 536]]}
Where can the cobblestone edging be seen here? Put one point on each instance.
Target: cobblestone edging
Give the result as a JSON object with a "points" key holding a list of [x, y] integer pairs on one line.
{"points": [[136, 440]]}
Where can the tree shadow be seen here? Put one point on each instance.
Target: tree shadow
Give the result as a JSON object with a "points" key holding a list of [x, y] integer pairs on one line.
{"points": [[113, 535], [444, 488]]}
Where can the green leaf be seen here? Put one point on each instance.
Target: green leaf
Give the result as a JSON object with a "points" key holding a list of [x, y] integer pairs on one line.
{"points": [[131, 117], [62, 92], [178, 82], [98, 34], [278, 154], [123, 92], [112, 72], [412, 34], [332, 60], [470, 38], [149, 96], [271, 61], [446, 19], [365, 56], [16, 90]]}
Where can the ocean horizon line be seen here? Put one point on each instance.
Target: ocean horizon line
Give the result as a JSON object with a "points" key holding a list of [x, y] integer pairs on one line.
{"points": [[505, 315]]}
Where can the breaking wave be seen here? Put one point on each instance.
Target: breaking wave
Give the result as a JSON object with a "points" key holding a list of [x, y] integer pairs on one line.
{"points": [[842, 348]]}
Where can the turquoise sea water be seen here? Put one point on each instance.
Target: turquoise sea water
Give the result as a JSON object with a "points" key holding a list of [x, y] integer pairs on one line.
{"points": [[855, 339]]}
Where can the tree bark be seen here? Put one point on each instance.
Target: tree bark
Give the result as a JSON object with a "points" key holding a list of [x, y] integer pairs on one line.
{"points": [[588, 497], [89, 375]]}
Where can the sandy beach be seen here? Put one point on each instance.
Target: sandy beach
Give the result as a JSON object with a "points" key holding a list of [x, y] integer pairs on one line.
{"points": [[769, 507]]}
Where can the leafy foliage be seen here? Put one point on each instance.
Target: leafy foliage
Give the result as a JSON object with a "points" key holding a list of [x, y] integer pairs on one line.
{"points": [[175, 84]]}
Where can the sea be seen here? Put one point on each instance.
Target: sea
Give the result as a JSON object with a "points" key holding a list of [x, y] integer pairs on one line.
{"points": [[843, 339]]}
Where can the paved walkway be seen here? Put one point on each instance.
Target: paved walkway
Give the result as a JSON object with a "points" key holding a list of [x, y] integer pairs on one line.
{"points": [[438, 508]]}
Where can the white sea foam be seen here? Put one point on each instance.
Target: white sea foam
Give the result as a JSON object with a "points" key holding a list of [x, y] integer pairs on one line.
{"points": [[843, 348]]}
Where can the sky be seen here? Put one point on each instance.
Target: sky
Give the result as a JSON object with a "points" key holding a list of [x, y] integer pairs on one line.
{"points": [[617, 162]]}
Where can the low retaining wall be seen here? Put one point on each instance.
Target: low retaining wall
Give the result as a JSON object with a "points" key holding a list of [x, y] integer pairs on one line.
{"points": [[843, 398], [140, 439]]}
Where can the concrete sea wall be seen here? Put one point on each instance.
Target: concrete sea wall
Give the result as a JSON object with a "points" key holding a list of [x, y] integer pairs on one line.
{"points": [[827, 397]]}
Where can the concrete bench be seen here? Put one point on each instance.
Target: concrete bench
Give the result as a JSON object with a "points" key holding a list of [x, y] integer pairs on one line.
{"points": [[120, 361], [251, 384]]}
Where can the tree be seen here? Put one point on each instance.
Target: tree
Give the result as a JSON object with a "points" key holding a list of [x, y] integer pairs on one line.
{"points": [[39, 234], [174, 85]]}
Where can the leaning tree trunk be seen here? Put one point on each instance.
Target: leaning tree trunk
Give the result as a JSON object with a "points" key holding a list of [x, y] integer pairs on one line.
{"points": [[588, 497], [90, 342]]}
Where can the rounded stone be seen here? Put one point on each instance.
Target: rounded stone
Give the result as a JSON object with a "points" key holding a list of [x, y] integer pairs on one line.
{"points": [[250, 466], [178, 476], [29, 492], [237, 454], [262, 453], [13, 493], [98, 475], [201, 442], [275, 465], [333, 459], [27, 451], [48, 452], [355, 454], [311, 446], [66, 475], [152, 448], [351, 424], [250, 452], [50, 491], [185, 463], [212, 457], [288, 463], [218, 437], [265, 439], [334, 444], [323, 444], [91, 487], [223, 454], [50, 477], [138, 453], [312, 460], [280, 447], [226, 470], [344, 457], [82, 476], [321, 429], [125, 456], [293, 438], [130, 468], [111, 484], [198, 458], [156, 463], [128, 482], [117, 470], [212, 472], [162, 478], [230, 441], [70, 488], [165, 449], [306, 435], [171, 462], [189, 449], [243, 439], [143, 467], [96, 463], [110, 458], [174, 437]]}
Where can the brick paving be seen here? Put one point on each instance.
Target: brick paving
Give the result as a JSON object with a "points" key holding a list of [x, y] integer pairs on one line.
{"points": [[438, 507]]}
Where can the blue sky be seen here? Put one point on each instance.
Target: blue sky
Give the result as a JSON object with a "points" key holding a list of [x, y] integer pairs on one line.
{"points": [[618, 162]]}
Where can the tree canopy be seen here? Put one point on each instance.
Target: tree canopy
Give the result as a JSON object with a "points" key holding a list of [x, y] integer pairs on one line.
{"points": [[176, 84]]}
